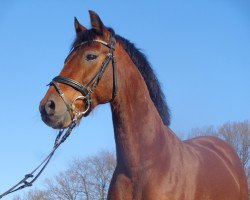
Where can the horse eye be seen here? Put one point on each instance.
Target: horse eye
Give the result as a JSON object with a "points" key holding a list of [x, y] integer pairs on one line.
{"points": [[91, 57]]}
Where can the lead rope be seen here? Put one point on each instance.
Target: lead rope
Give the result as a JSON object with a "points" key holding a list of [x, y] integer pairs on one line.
{"points": [[60, 138]]}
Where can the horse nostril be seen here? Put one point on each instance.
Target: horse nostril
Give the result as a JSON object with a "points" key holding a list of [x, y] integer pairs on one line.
{"points": [[50, 107]]}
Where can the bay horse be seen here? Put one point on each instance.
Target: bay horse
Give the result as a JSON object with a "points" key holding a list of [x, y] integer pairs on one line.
{"points": [[152, 163]]}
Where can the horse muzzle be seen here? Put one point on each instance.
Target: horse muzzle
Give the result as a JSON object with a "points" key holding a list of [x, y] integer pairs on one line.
{"points": [[54, 113]]}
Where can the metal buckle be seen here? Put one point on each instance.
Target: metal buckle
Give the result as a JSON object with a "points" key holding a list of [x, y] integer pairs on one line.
{"points": [[81, 113]]}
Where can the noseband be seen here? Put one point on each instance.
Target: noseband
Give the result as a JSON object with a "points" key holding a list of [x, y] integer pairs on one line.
{"points": [[88, 89]]}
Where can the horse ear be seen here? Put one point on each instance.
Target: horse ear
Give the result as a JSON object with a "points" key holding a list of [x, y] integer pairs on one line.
{"points": [[96, 23], [78, 27]]}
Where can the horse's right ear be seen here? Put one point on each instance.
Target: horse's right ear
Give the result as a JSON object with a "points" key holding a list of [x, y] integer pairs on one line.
{"points": [[97, 24], [78, 27]]}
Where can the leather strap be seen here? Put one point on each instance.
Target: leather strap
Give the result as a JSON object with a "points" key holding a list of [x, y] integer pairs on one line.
{"points": [[92, 84], [68, 81]]}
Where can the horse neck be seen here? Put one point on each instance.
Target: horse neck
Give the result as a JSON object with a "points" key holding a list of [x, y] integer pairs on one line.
{"points": [[139, 130]]}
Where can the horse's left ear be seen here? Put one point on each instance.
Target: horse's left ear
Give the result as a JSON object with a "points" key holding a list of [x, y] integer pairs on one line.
{"points": [[78, 27], [97, 24]]}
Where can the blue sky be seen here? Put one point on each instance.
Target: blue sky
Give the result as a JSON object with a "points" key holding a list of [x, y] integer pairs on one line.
{"points": [[200, 51]]}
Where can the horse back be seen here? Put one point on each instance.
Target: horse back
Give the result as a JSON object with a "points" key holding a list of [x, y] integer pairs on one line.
{"points": [[220, 170]]}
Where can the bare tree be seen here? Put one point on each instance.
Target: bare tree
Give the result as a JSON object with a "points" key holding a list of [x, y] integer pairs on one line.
{"points": [[94, 174], [34, 194], [104, 165], [82, 170], [17, 197], [204, 131], [63, 186], [238, 135]]}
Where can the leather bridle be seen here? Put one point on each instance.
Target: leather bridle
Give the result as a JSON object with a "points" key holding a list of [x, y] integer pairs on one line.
{"points": [[87, 89]]}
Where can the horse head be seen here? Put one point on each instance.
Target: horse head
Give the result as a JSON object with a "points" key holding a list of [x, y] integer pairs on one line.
{"points": [[88, 77]]}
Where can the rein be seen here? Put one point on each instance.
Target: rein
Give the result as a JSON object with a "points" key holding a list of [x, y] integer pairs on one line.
{"points": [[30, 178], [25, 182]]}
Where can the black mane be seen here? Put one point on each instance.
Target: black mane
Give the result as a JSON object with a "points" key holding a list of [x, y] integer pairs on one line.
{"points": [[143, 66]]}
